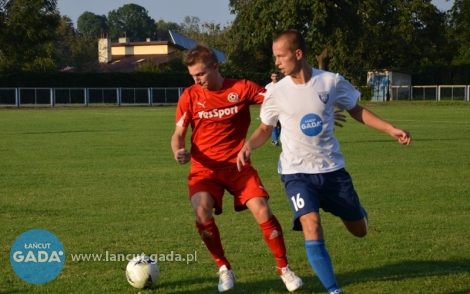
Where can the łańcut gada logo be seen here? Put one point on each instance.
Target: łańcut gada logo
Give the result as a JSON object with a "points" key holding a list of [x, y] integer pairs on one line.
{"points": [[37, 256]]}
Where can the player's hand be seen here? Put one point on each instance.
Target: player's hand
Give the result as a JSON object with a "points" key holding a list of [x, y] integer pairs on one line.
{"points": [[243, 157], [403, 137], [182, 156], [339, 117]]}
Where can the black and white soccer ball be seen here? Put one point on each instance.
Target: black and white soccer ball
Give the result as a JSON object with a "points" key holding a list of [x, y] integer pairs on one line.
{"points": [[142, 272]]}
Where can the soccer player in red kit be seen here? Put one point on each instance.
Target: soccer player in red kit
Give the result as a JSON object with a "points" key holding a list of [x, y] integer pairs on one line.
{"points": [[218, 111]]}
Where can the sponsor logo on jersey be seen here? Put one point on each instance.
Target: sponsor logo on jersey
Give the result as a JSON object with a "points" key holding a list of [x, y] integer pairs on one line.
{"points": [[233, 97], [311, 125], [203, 104], [324, 96], [218, 112]]}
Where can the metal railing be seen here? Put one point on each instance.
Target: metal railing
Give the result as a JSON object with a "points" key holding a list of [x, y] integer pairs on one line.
{"points": [[23, 97], [430, 93], [88, 96]]}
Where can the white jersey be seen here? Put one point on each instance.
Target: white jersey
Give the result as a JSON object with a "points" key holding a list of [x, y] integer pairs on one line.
{"points": [[269, 85], [306, 113]]}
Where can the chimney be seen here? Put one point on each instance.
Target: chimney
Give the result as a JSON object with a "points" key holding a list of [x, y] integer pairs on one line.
{"points": [[104, 50], [124, 40]]}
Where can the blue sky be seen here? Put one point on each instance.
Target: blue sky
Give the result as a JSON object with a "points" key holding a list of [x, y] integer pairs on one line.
{"points": [[170, 11]]}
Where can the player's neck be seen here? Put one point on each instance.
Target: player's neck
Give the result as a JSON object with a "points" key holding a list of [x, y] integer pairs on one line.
{"points": [[303, 75], [218, 83]]}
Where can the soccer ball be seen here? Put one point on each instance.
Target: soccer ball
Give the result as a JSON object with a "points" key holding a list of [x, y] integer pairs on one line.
{"points": [[142, 272]]}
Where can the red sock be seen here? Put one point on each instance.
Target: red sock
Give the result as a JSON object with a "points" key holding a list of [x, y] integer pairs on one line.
{"points": [[209, 233], [273, 236]]}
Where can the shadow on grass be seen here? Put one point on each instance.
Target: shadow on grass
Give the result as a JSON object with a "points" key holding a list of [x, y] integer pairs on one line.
{"points": [[393, 272], [265, 286], [407, 270]]}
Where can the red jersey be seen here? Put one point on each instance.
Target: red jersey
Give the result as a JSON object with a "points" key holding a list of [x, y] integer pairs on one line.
{"points": [[219, 121]]}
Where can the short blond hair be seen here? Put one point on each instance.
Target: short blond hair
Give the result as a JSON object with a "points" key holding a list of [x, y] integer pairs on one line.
{"points": [[294, 39], [200, 53]]}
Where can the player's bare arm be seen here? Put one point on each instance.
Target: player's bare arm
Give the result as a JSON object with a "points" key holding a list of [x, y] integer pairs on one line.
{"points": [[368, 118], [259, 137], [178, 145]]}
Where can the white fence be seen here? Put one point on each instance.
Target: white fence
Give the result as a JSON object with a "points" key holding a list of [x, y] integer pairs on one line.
{"points": [[88, 96], [19, 97], [429, 93]]}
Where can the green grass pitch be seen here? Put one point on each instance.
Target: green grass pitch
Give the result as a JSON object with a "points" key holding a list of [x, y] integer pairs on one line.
{"points": [[104, 181]]}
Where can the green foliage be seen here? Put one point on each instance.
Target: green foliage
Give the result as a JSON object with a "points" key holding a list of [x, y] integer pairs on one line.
{"points": [[323, 24], [261, 78], [92, 25], [459, 31], [401, 33], [208, 33], [173, 66], [97, 80], [366, 93], [26, 34], [132, 21], [191, 26], [75, 50], [168, 26], [357, 35], [65, 34]]}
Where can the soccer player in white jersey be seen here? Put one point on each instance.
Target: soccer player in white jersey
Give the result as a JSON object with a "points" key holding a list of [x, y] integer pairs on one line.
{"points": [[311, 163], [277, 129]]}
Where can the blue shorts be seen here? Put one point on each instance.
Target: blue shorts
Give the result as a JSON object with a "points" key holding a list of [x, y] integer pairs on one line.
{"points": [[333, 192]]}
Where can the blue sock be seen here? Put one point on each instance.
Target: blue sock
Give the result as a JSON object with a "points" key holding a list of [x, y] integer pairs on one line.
{"points": [[321, 263]]}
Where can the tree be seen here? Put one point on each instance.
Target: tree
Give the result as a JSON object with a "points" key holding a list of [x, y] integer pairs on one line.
{"points": [[85, 54], [132, 21], [168, 26], [345, 36], [191, 26], [324, 24], [65, 34], [27, 32], [459, 31], [73, 49], [163, 28], [400, 34], [92, 25]]}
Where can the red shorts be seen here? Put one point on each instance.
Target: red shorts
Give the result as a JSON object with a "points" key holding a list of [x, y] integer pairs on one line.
{"points": [[243, 185]]}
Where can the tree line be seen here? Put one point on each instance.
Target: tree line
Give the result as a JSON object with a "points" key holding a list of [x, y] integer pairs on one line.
{"points": [[344, 36]]}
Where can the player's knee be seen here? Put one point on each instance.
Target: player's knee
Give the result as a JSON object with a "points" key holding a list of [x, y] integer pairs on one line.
{"points": [[203, 214], [311, 225], [357, 228], [360, 233], [259, 207]]}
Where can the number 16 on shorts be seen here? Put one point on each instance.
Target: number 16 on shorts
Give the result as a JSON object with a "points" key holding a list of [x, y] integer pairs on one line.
{"points": [[298, 202]]}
